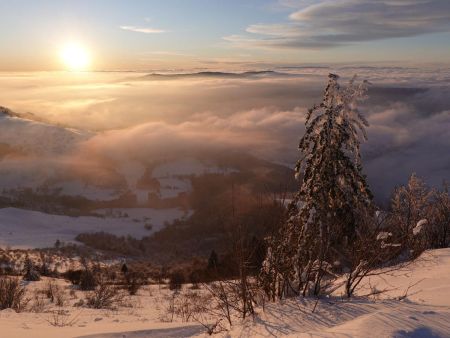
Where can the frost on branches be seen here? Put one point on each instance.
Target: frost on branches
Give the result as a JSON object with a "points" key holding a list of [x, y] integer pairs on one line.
{"points": [[333, 195], [333, 187]]}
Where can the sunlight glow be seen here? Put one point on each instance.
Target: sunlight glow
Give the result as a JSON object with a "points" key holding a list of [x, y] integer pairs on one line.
{"points": [[75, 57]]}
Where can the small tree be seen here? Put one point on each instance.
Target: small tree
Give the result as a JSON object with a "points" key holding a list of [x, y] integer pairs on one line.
{"points": [[213, 261], [176, 280], [88, 278], [372, 248], [31, 273], [44, 269], [409, 205], [124, 268], [74, 276], [57, 244], [438, 234]]}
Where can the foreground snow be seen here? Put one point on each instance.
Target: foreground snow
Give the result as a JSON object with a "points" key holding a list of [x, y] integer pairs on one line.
{"points": [[423, 311], [415, 302]]}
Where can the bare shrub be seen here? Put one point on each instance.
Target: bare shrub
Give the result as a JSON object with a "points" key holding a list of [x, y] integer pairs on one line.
{"points": [[129, 302], [438, 233], [38, 303], [60, 299], [190, 304], [104, 296], [211, 328], [55, 293], [210, 309], [224, 302], [372, 249], [12, 294], [73, 294], [62, 318], [185, 306], [169, 309], [79, 303], [134, 281]]}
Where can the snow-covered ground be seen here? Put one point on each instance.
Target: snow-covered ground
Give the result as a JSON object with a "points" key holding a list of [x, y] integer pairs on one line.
{"points": [[33, 229], [423, 312]]}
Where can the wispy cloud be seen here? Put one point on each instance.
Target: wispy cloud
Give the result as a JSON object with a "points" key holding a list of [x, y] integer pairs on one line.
{"points": [[335, 23], [167, 53], [146, 30]]}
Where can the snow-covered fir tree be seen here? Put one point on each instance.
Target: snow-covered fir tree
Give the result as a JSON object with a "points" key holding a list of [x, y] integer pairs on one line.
{"points": [[333, 195]]}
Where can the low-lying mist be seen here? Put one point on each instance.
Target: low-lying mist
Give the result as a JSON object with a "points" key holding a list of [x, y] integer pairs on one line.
{"points": [[133, 116]]}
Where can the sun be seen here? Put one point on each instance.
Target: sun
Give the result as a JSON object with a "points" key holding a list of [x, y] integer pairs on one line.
{"points": [[75, 57]]}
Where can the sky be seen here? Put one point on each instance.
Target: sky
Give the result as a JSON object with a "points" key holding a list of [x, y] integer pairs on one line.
{"points": [[177, 34]]}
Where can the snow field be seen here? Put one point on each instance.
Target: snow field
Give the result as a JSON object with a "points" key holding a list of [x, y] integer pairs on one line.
{"points": [[424, 311]]}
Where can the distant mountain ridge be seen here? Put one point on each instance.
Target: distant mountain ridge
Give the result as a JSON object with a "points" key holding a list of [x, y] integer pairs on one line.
{"points": [[216, 74]]}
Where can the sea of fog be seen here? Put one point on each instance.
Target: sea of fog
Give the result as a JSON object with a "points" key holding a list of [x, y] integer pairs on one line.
{"points": [[135, 114]]}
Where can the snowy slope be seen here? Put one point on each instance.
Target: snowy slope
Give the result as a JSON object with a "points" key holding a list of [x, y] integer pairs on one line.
{"points": [[424, 312], [34, 152], [37, 138]]}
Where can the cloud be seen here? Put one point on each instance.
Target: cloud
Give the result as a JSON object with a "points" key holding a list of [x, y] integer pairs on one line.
{"points": [[336, 23], [409, 129], [402, 142], [295, 3], [165, 52], [408, 111], [250, 131], [146, 30]]}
